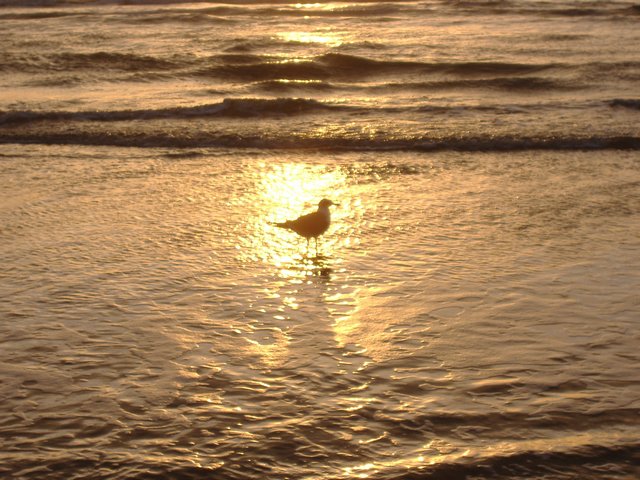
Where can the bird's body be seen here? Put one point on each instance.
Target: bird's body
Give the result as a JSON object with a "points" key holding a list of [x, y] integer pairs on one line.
{"points": [[311, 225]]}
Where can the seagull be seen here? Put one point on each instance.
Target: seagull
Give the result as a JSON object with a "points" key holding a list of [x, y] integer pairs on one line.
{"points": [[311, 225]]}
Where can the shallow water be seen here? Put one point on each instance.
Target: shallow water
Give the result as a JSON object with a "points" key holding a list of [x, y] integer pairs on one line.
{"points": [[468, 315], [472, 313]]}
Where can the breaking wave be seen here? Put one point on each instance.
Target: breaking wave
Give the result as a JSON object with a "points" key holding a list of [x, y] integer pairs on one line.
{"points": [[499, 83], [633, 104], [363, 8], [345, 67], [240, 63], [608, 10], [293, 106], [288, 141], [252, 67], [230, 107]]}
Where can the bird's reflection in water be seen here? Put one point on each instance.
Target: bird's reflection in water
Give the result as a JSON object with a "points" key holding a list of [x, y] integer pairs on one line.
{"points": [[312, 266]]}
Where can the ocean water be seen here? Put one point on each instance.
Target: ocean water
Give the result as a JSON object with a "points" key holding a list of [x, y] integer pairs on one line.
{"points": [[472, 313]]}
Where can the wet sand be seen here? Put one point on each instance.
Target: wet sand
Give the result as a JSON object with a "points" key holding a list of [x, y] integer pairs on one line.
{"points": [[471, 314]]}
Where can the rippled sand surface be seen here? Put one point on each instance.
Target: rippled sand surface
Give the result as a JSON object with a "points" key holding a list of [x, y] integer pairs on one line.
{"points": [[469, 315]]}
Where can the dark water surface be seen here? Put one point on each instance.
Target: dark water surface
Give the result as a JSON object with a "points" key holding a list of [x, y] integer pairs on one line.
{"points": [[431, 75]]}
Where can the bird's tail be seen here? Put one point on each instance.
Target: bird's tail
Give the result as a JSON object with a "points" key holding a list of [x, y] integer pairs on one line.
{"points": [[280, 224]]}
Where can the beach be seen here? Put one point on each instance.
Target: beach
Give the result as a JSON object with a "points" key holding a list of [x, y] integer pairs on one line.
{"points": [[471, 312]]}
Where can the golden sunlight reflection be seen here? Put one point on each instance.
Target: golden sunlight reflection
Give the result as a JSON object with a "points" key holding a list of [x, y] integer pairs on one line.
{"points": [[295, 273], [441, 452], [431, 454], [371, 323], [329, 39], [310, 5], [273, 352], [299, 82], [284, 192]]}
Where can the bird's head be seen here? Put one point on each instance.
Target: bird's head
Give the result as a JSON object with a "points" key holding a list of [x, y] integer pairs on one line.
{"points": [[324, 203]]}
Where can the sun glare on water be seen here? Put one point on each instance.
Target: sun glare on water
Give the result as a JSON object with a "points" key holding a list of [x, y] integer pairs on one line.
{"points": [[284, 192], [325, 38]]}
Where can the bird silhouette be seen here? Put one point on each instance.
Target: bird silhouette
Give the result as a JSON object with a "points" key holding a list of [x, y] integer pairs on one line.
{"points": [[311, 225]]}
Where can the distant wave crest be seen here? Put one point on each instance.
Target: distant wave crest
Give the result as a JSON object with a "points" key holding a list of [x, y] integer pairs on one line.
{"points": [[66, 61], [633, 104], [292, 106], [230, 107], [348, 67], [235, 10], [291, 141], [528, 83], [241, 63]]}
